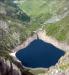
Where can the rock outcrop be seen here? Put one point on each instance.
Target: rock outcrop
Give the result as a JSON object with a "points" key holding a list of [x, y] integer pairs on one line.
{"points": [[8, 68]]}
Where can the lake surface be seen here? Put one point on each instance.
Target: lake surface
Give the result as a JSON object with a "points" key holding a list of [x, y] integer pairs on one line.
{"points": [[39, 54]]}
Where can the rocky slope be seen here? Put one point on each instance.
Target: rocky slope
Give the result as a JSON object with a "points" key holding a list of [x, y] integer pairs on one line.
{"points": [[20, 19], [8, 68], [12, 26]]}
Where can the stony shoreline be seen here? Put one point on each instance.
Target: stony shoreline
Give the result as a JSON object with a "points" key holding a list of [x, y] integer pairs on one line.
{"points": [[23, 45], [42, 35]]}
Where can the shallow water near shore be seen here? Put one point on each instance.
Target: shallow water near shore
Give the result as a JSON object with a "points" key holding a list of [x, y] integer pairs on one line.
{"points": [[39, 54]]}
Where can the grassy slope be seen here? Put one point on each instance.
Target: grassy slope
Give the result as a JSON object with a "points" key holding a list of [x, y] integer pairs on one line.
{"points": [[41, 10], [41, 7], [19, 29], [59, 30], [44, 10]]}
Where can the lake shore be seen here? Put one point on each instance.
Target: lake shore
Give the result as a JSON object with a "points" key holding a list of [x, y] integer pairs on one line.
{"points": [[61, 45], [41, 35]]}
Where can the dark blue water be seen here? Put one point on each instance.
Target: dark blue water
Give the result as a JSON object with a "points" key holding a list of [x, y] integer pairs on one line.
{"points": [[39, 54]]}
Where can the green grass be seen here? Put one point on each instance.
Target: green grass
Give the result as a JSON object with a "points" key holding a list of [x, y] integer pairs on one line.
{"points": [[41, 10], [59, 30], [64, 66], [37, 7]]}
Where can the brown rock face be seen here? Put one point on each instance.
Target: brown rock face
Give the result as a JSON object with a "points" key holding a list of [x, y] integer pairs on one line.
{"points": [[6, 70], [9, 69]]}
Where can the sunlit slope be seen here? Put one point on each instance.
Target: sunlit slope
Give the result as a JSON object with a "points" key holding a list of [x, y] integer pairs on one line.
{"points": [[41, 8], [59, 30], [47, 11]]}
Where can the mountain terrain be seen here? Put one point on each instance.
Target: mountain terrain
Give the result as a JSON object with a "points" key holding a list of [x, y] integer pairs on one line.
{"points": [[20, 19]]}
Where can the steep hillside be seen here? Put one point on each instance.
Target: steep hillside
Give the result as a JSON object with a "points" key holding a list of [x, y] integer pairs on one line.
{"points": [[12, 33], [42, 7], [51, 14], [15, 25], [20, 19]]}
